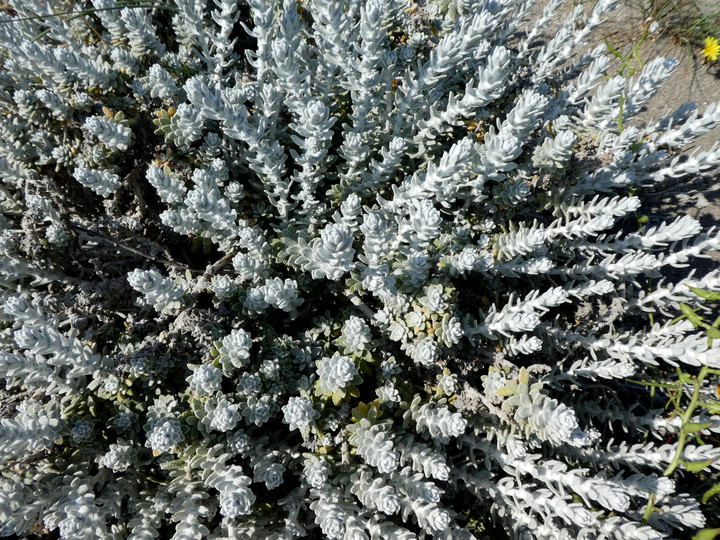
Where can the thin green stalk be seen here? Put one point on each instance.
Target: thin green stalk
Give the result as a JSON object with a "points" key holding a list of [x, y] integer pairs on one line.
{"points": [[682, 437], [621, 103], [686, 417]]}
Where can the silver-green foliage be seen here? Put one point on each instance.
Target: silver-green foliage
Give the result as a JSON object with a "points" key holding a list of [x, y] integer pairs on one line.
{"points": [[281, 269]]}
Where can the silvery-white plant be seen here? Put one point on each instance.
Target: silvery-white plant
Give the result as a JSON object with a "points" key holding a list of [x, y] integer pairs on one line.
{"points": [[340, 268]]}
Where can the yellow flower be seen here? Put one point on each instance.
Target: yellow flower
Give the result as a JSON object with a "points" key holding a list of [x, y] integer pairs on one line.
{"points": [[712, 49]]}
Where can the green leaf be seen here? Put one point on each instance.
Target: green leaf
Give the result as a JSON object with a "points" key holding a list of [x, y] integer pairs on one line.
{"points": [[697, 466], [689, 312], [635, 147], [706, 534], [710, 493], [713, 407], [359, 412], [504, 391], [524, 377], [613, 50], [683, 377], [714, 333], [373, 412], [696, 427], [703, 293]]}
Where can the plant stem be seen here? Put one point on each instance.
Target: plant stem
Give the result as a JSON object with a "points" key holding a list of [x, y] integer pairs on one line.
{"points": [[686, 417], [682, 437]]}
